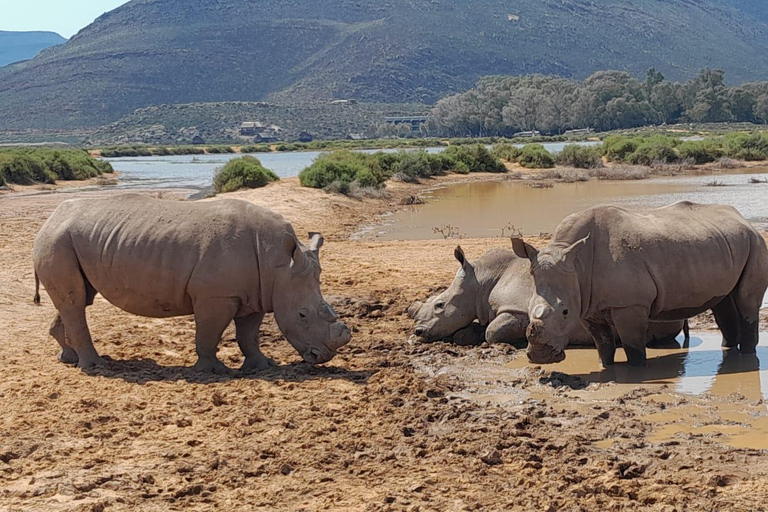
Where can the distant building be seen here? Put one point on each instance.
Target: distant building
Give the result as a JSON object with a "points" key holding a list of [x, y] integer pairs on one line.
{"points": [[414, 121], [355, 136], [267, 136], [531, 134], [306, 137], [251, 128], [583, 131], [344, 102], [198, 140]]}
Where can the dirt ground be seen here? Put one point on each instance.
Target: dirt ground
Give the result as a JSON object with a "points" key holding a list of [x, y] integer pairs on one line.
{"points": [[387, 425]]}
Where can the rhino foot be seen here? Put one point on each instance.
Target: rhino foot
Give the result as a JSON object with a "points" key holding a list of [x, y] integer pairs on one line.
{"points": [[68, 356], [211, 366], [258, 363]]}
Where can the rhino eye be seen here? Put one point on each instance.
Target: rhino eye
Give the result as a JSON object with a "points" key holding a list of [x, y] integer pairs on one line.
{"points": [[440, 305], [565, 312], [302, 314]]}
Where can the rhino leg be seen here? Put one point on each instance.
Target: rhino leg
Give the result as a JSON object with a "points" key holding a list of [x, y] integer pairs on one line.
{"points": [[727, 318], [602, 335], [632, 327], [211, 319], [507, 328], [57, 331], [247, 332]]}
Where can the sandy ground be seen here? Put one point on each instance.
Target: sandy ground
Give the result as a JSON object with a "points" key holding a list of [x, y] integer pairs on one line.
{"points": [[386, 425]]}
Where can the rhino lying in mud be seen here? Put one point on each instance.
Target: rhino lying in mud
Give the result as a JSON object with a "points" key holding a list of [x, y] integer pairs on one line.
{"points": [[608, 266], [220, 261], [496, 290]]}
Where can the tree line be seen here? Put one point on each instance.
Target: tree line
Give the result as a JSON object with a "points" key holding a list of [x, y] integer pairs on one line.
{"points": [[607, 100]]}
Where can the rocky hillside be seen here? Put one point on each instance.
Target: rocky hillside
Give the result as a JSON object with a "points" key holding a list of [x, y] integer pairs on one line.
{"points": [[152, 52], [18, 46]]}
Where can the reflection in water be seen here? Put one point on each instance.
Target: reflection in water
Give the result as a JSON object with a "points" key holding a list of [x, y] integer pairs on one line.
{"points": [[483, 209]]}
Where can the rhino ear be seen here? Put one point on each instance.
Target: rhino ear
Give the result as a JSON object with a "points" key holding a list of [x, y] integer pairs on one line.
{"points": [[524, 250], [315, 242], [292, 247]]}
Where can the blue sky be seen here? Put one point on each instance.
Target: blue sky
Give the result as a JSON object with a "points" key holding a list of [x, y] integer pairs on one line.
{"points": [[63, 16]]}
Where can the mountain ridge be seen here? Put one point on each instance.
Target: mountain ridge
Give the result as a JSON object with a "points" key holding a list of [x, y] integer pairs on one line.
{"points": [[21, 46], [152, 52]]}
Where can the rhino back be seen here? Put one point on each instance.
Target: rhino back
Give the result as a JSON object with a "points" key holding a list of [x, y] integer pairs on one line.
{"points": [[673, 258], [155, 258]]}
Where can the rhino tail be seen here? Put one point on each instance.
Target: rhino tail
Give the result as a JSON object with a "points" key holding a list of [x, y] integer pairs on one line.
{"points": [[37, 290]]}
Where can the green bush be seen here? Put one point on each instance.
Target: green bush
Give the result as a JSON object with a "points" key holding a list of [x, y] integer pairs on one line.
{"points": [[255, 149], [582, 157], [701, 152], [534, 156], [476, 158], [746, 146], [243, 172], [25, 166], [617, 148], [339, 169], [506, 151], [658, 149]]}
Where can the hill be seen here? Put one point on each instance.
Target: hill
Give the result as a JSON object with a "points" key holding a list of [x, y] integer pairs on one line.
{"points": [[153, 52], [18, 46]]}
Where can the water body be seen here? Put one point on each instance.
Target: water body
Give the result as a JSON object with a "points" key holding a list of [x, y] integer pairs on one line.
{"points": [[480, 210], [196, 171]]}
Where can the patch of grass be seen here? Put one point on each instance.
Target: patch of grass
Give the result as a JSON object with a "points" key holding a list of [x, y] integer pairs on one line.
{"points": [[244, 172], [534, 156], [565, 175], [620, 172]]}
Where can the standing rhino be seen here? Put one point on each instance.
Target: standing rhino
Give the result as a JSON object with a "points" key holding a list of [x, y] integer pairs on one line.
{"points": [[608, 266], [495, 290], [219, 260]]}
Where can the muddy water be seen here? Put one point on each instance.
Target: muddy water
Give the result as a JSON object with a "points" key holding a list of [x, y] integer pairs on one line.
{"points": [[728, 391], [491, 209]]}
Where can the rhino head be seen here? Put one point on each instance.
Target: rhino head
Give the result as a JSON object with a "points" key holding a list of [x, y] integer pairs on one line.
{"points": [[555, 306], [308, 322], [444, 314]]}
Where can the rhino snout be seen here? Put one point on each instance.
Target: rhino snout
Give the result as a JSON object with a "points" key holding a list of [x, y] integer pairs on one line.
{"points": [[545, 354]]}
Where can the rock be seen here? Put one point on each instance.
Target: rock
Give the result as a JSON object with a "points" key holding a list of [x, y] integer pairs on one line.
{"points": [[492, 459]]}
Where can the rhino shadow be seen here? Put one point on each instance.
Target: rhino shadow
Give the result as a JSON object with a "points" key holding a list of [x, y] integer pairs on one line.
{"points": [[143, 370], [670, 368]]}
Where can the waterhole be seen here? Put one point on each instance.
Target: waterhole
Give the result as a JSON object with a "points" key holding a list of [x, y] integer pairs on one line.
{"points": [[490, 209]]}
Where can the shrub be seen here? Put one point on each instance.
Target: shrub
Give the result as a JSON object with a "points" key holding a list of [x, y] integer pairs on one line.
{"points": [[243, 172], [581, 157], [701, 152], [534, 156], [505, 151], [617, 148], [476, 158], [620, 172], [255, 149], [336, 171], [44, 165], [653, 150], [746, 146]]}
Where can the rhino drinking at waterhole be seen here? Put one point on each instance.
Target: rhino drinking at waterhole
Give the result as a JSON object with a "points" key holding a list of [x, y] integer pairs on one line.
{"points": [[220, 261], [610, 267]]}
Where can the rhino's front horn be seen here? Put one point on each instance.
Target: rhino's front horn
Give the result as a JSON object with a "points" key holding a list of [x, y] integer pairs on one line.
{"points": [[414, 308]]}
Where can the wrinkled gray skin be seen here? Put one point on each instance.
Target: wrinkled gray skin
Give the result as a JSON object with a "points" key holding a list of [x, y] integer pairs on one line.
{"points": [[219, 260], [495, 290], [608, 266]]}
